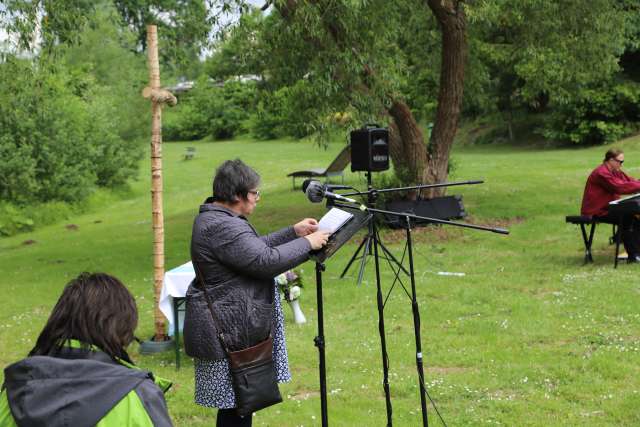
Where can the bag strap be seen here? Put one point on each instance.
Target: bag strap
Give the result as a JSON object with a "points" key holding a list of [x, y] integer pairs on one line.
{"points": [[200, 278]]}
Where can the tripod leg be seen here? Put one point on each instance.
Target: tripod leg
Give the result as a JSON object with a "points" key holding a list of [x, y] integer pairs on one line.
{"points": [[319, 342], [416, 326], [383, 341], [355, 255]]}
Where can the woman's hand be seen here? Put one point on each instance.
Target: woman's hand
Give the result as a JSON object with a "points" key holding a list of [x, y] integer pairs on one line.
{"points": [[318, 239], [305, 227]]}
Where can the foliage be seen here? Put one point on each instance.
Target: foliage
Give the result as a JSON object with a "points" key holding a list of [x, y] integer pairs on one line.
{"points": [[44, 135], [119, 114], [240, 50], [105, 55], [598, 115], [44, 24], [309, 68], [72, 118], [184, 122], [312, 60], [547, 47], [228, 108], [285, 112], [184, 25], [221, 111], [532, 55], [270, 116], [13, 220]]}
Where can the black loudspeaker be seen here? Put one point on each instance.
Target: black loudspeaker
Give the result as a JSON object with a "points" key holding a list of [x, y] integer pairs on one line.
{"points": [[447, 207], [370, 149]]}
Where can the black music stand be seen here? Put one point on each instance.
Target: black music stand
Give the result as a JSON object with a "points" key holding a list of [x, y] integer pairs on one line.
{"points": [[375, 239], [339, 238]]}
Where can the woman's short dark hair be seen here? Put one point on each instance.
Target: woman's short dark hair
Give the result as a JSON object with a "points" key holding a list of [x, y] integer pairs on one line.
{"points": [[612, 153], [95, 309], [234, 178]]}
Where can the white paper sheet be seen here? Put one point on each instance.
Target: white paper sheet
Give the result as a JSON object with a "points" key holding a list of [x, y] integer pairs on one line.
{"points": [[333, 220]]}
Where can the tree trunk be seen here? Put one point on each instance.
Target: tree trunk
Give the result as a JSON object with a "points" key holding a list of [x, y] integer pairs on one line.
{"points": [[406, 144], [451, 17], [156, 181]]}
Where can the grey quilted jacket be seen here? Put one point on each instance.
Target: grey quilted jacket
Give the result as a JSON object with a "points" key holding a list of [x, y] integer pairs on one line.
{"points": [[237, 267]]}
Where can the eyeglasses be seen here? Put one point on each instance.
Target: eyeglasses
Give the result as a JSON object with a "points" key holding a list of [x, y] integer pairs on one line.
{"points": [[619, 161], [255, 193]]}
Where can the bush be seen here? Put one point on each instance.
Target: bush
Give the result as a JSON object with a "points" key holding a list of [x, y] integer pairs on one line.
{"points": [[57, 141], [235, 107], [43, 133], [14, 220], [286, 112], [270, 115], [599, 115], [220, 111], [184, 122], [229, 108], [70, 121]]}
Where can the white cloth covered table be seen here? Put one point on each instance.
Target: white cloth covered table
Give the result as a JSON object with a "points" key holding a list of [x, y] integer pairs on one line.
{"points": [[174, 285]]}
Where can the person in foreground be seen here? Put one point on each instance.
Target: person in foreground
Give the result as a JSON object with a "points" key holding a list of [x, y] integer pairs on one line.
{"points": [[605, 184], [237, 268], [79, 374]]}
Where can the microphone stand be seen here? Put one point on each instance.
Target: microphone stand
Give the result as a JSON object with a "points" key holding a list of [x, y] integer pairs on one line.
{"points": [[319, 342], [373, 237], [372, 195]]}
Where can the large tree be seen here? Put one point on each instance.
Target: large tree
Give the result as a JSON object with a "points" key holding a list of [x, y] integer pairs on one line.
{"points": [[353, 50]]}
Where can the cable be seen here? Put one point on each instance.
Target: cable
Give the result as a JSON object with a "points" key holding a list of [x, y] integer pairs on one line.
{"points": [[431, 400]]}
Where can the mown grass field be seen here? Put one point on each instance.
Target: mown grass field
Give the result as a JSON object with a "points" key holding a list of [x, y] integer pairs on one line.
{"points": [[528, 336]]}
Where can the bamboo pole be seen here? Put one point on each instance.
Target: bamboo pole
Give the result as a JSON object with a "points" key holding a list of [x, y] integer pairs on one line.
{"points": [[158, 97]]}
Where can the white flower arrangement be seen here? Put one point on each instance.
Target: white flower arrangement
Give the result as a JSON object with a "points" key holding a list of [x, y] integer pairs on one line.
{"points": [[290, 285]]}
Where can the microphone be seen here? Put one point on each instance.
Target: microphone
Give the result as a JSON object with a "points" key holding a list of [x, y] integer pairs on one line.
{"points": [[315, 192], [331, 187], [305, 184]]}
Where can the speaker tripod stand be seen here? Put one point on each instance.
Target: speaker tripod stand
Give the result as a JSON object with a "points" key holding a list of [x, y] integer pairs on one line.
{"points": [[365, 246]]}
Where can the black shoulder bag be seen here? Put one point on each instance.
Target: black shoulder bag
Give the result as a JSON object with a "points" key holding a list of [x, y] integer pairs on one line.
{"points": [[253, 375]]}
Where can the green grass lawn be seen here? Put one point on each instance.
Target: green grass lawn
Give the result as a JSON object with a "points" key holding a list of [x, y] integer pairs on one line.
{"points": [[528, 336]]}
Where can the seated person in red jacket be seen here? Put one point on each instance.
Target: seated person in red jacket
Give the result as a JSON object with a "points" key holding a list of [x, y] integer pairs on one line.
{"points": [[605, 184]]}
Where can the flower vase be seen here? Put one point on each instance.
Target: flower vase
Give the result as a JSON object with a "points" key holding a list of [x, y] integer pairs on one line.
{"points": [[298, 315]]}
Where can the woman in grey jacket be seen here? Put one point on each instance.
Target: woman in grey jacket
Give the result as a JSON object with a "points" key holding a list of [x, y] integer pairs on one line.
{"points": [[237, 267]]}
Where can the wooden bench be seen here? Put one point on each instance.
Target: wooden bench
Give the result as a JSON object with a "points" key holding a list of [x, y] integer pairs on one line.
{"points": [[190, 153], [587, 221]]}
